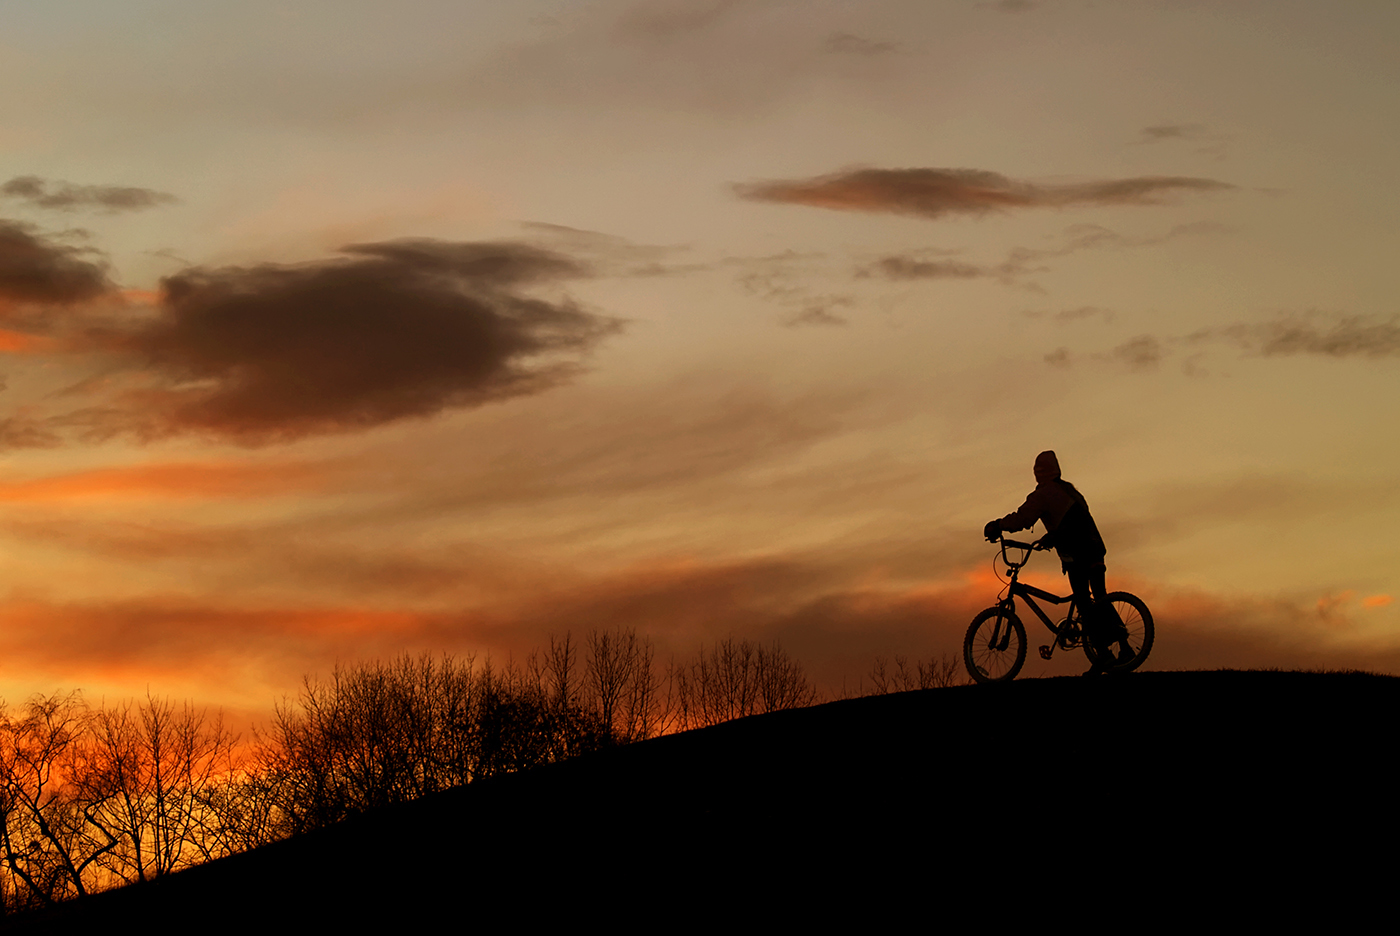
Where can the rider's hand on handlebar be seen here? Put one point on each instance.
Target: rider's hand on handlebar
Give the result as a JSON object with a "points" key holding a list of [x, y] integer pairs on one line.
{"points": [[992, 531]]}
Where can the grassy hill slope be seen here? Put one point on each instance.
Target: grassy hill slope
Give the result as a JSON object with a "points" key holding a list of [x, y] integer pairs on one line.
{"points": [[1024, 795]]}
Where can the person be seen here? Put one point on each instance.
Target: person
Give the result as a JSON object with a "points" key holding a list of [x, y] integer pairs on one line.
{"points": [[1071, 530]]}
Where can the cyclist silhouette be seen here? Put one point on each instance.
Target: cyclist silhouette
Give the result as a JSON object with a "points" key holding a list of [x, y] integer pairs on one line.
{"points": [[1074, 535]]}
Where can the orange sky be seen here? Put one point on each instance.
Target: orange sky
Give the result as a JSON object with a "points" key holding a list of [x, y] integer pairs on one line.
{"points": [[330, 333]]}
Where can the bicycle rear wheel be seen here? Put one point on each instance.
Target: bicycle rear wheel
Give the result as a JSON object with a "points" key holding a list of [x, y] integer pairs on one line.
{"points": [[1137, 620], [995, 647]]}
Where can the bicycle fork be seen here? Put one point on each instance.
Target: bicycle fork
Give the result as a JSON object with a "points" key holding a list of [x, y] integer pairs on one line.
{"points": [[1001, 631]]}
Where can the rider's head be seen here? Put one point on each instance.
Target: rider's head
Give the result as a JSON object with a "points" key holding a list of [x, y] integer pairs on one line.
{"points": [[1047, 467]]}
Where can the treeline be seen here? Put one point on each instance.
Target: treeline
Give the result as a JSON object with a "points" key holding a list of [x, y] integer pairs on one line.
{"points": [[96, 797]]}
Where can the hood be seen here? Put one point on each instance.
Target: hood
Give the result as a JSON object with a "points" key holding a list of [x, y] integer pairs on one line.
{"points": [[1047, 467]]}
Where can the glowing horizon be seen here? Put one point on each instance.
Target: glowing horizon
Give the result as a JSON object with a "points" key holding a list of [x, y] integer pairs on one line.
{"points": [[330, 334]]}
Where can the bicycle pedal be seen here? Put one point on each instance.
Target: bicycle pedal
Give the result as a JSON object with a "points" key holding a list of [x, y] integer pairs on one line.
{"points": [[1046, 651]]}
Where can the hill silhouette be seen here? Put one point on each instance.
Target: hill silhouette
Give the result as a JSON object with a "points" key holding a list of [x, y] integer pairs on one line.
{"points": [[1098, 791]]}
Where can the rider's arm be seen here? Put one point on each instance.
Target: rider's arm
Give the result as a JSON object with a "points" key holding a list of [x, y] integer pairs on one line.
{"points": [[1025, 516]]}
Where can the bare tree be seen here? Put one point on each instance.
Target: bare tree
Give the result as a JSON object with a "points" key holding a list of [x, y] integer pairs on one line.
{"points": [[153, 776], [739, 678], [937, 673], [47, 838], [623, 689]]}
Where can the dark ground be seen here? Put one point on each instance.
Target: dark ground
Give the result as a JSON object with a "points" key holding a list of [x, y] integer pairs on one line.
{"points": [[1148, 794]]}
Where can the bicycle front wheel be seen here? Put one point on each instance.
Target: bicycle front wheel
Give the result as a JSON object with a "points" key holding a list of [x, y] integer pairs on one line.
{"points": [[1137, 622], [995, 647]]}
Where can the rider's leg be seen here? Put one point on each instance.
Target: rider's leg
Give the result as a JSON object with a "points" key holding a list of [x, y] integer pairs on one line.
{"points": [[1115, 632], [1087, 584]]}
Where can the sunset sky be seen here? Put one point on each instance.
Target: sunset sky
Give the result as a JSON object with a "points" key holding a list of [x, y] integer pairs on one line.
{"points": [[337, 329]]}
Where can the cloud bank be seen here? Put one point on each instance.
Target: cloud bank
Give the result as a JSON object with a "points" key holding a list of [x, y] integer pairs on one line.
{"points": [[935, 193]]}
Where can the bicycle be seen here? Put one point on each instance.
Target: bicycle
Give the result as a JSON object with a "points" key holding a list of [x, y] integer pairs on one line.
{"points": [[995, 647]]}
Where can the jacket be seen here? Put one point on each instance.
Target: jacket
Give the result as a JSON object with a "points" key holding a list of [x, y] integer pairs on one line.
{"points": [[1071, 528]]}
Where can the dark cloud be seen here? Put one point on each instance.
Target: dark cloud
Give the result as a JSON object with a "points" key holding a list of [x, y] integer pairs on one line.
{"points": [[934, 193], [1058, 358], [844, 43], [1016, 6], [65, 196], [394, 330], [38, 269], [1330, 335]]}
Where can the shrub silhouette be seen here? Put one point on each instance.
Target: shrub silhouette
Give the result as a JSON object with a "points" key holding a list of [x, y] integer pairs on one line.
{"points": [[381, 733]]}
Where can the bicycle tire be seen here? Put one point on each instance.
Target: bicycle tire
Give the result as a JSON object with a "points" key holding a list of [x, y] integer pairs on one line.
{"points": [[1132, 611], [994, 649]]}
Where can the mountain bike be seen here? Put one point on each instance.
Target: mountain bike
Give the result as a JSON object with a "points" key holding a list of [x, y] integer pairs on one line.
{"points": [[995, 647]]}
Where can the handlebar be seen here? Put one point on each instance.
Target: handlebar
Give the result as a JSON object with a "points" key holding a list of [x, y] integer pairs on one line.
{"points": [[1017, 544]]}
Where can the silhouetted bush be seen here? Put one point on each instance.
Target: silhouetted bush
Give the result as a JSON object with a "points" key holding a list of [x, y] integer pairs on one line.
{"points": [[380, 733]]}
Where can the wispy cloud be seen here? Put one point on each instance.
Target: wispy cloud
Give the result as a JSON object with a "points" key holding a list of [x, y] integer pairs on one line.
{"points": [[1171, 132], [786, 280], [27, 432], [819, 313], [936, 193], [844, 43], [1329, 335], [904, 267], [1320, 334], [666, 18], [1021, 262], [1065, 316], [65, 196], [182, 480], [1141, 353], [1205, 141]]}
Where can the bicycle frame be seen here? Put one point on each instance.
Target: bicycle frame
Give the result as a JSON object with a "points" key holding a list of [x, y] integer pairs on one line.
{"points": [[1065, 630]]}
